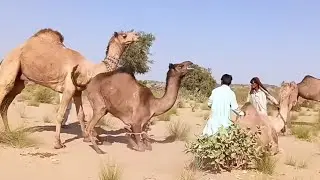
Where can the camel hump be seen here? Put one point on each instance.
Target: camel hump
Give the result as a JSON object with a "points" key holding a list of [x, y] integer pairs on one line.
{"points": [[308, 77], [50, 34]]}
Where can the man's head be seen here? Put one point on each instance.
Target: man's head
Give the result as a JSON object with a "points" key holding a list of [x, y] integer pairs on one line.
{"points": [[226, 79]]}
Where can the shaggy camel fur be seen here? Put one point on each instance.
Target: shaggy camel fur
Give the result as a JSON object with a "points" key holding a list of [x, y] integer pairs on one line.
{"points": [[131, 102], [268, 137], [308, 88], [44, 60]]}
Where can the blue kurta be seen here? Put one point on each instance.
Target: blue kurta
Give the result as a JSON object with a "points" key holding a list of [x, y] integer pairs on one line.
{"points": [[222, 100]]}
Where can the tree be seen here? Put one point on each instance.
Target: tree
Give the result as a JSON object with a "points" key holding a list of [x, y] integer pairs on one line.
{"points": [[136, 56], [199, 80]]}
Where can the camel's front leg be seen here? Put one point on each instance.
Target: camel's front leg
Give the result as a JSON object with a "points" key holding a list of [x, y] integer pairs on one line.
{"points": [[137, 130], [145, 137], [66, 98]]}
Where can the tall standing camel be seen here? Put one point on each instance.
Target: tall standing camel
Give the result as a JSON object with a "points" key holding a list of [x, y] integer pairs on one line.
{"points": [[45, 60], [308, 88], [131, 102]]}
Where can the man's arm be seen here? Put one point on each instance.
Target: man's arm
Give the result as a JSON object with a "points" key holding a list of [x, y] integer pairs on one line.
{"points": [[234, 105]]}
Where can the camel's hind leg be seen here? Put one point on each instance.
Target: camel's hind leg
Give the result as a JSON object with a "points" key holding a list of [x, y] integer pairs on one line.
{"points": [[18, 87], [79, 108], [97, 115], [8, 74]]}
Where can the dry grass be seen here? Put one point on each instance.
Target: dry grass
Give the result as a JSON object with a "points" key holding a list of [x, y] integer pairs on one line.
{"points": [[18, 138], [166, 116], [187, 175], [178, 130], [290, 161], [39, 94], [46, 119], [110, 171], [301, 132], [267, 164], [205, 107], [206, 116]]}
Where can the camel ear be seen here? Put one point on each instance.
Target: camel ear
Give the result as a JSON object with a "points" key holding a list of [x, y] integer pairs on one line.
{"points": [[171, 66], [131, 30], [115, 34]]}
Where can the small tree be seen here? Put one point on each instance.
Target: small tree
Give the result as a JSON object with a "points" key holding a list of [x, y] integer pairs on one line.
{"points": [[199, 80], [136, 56]]}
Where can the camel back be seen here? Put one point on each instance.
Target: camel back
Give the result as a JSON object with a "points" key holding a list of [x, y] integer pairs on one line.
{"points": [[49, 34]]}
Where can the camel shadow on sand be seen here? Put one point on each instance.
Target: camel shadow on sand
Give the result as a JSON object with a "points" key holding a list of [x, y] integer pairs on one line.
{"points": [[106, 136]]}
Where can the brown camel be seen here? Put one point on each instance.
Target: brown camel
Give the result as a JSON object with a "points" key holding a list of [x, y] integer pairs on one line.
{"points": [[308, 88], [44, 60], [268, 137], [120, 94]]}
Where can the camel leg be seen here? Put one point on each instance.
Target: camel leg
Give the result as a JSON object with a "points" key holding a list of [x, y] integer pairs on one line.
{"points": [[79, 108], [18, 87], [136, 128], [8, 74], [97, 115], [145, 138], [66, 98]]}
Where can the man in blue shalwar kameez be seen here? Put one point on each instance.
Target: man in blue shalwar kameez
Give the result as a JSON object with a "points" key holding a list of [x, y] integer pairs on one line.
{"points": [[222, 100]]}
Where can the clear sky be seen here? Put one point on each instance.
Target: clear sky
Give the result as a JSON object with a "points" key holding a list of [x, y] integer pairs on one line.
{"points": [[276, 39]]}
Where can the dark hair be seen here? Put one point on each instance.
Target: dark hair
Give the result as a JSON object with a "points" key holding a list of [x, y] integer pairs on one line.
{"points": [[258, 82], [226, 79]]}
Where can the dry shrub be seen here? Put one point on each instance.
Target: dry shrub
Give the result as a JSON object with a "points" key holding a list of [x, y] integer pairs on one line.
{"points": [[308, 104], [18, 138], [187, 175], [290, 161], [266, 164], [241, 93], [178, 130], [166, 116], [110, 171], [39, 94], [301, 132], [206, 116], [204, 106]]}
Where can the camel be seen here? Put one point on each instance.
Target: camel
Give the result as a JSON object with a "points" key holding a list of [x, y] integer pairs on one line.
{"points": [[268, 137], [131, 102], [45, 60], [308, 88]]}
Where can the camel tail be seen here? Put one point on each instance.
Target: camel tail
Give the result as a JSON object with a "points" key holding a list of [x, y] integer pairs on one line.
{"points": [[75, 75]]}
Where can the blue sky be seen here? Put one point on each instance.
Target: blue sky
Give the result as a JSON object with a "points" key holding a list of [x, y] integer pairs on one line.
{"points": [[275, 40]]}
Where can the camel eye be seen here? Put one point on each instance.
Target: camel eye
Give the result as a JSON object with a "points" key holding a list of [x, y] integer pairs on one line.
{"points": [[124, 36]]}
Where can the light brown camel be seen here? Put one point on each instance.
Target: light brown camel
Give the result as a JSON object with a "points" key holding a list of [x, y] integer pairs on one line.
{"points": [[268, 137], [120, 94], [44, 60], [308, 88]]}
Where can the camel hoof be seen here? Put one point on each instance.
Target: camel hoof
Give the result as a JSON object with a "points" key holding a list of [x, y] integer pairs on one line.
{"points": [[86, 139], [139, 149], [59, 146]]}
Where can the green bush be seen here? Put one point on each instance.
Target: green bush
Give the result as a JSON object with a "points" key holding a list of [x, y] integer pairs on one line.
{"points": [[199, 81], [230, 148]]}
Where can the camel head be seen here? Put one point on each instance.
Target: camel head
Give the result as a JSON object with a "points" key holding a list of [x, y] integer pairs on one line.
{"points": [[180, 69], [288, 98], [126, 38]]}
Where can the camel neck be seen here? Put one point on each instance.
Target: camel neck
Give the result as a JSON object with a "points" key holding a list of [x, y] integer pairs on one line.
{"points": [[112, 59], [163, 104]]}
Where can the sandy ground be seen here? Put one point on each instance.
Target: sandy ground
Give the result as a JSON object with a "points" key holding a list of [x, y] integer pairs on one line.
{"points": [[165, 162]]}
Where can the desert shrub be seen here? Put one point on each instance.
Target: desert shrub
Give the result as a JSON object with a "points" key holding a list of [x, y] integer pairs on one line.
{"points": [[308, 104], [18, 138], [241, 93], [230, 148], [178, 130], [301, 132], [110, 171], [199, 81], [39, 94], [266, 164]]}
